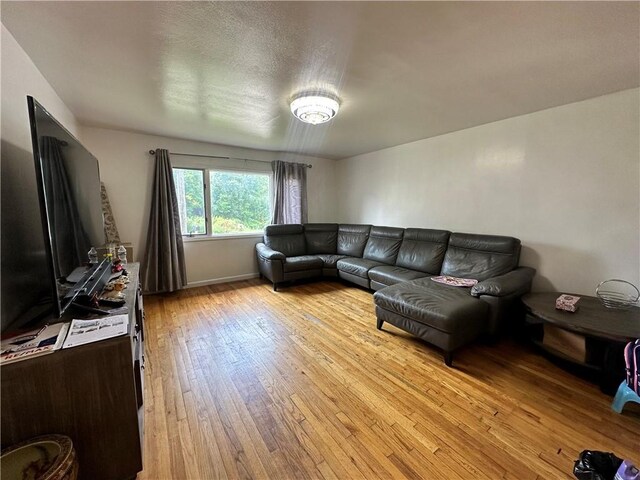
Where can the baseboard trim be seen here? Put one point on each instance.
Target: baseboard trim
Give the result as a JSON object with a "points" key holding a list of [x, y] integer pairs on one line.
{"points": [[213, 281]]}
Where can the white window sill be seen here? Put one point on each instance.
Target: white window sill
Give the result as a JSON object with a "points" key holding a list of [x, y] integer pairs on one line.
{"points": [[229, 236]]}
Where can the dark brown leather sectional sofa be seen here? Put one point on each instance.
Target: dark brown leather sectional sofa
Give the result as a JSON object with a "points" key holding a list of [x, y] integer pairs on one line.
{"points": [[398, 264]]}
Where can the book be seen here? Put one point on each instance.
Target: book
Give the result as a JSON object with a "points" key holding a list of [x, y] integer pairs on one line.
{"points": [[82, 332], [32, 344]]}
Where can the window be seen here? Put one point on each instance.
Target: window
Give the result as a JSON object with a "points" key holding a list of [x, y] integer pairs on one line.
{"points": [[190, 192], [239, 202]]}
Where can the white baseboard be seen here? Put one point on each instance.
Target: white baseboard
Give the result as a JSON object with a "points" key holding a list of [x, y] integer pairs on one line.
{"points": [[213, 281]]}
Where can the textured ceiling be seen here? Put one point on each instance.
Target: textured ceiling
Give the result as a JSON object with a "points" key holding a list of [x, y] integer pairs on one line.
{"points": [[224, 72]]}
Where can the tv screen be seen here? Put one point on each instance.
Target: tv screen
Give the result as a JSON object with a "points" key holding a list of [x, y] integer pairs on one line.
{"points": [[68, 180]]}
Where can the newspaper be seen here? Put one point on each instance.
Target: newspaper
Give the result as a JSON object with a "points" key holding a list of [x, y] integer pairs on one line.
{"points": [[88, 331], [34, 343]]}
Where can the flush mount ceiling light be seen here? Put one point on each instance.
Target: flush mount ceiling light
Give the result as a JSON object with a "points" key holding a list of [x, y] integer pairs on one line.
{"points": [[315, 108]]}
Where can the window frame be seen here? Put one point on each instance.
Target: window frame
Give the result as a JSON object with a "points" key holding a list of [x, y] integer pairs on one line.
{"points": [[204, 193], [208, 204]]}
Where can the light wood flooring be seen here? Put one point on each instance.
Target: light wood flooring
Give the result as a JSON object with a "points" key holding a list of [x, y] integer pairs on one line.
{"points": [[244, 382]]}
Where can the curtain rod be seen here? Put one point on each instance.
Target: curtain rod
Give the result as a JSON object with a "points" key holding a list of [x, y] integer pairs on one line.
{"points": [[153, 152]]}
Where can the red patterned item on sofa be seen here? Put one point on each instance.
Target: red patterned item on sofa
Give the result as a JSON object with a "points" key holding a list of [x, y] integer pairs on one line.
{"points": [[455, 281]]}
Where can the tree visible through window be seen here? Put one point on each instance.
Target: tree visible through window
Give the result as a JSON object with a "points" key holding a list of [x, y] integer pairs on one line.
{"points": [[190, 192], [239, 201]]}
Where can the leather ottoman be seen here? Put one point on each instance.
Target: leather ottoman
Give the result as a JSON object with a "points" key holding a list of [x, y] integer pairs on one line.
{"points": [[445, 316]]}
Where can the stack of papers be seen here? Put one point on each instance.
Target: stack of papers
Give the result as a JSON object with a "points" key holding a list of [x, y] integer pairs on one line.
{"points": [[87, 331]]}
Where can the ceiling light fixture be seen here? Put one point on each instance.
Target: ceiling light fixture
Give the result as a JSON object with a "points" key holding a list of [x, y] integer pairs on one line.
{"points": [[315, 109]]}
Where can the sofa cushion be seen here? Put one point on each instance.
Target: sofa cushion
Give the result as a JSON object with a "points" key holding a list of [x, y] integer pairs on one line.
{"points": [[330, 260], [288, 239], [390, 274], [423, 249], [352, 239], [445, 308], [480, 256], [321, 237], [357, 266], [302, 262], [383, 244]]}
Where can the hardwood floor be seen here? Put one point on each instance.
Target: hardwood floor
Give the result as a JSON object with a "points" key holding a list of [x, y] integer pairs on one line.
{"points": [[244, 382]]}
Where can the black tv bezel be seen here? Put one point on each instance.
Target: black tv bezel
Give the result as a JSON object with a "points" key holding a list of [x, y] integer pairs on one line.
{"points": [[89, 280]]}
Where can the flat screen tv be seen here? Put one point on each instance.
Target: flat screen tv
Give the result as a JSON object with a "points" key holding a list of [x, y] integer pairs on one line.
{"points": [[68, 182]]}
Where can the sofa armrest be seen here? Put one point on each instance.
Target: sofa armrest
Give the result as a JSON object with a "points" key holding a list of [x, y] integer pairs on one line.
{"points": [[516, 282], [269, 254]]}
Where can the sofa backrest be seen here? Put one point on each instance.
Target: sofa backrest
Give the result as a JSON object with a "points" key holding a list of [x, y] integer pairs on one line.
{"points": [[423, 249], [321, 237], [288, 239], [383, 244], [480, 256], [352, 239]]}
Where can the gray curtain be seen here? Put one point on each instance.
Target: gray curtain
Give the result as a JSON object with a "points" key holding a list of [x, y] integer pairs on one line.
{"points": [[289, 192], [163, 267], [68, 235]]}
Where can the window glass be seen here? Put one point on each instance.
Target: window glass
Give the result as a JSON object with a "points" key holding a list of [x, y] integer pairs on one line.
{"points": [[190, 192], [239, 201]]}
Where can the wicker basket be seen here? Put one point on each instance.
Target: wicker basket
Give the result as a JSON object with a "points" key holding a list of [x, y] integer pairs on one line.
{"points": [[617, 294]]}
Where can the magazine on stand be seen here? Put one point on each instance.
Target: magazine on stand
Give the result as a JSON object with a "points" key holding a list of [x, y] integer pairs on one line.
{"points": [[34, 343], [88, 331]]}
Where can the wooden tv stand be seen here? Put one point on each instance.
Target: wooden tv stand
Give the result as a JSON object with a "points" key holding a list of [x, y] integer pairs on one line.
{"points": [[92, 393]]}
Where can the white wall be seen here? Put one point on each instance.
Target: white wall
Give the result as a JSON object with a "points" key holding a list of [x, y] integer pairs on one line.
{"points": [[20, 77], [126, 168], [24, 266], [566, 181]]}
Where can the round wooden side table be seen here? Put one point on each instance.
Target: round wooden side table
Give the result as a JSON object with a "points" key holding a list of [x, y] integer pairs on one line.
{"points": [[605, 331]]}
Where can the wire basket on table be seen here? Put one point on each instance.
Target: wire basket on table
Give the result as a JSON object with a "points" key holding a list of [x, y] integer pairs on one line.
{"points": [[616, 293]]}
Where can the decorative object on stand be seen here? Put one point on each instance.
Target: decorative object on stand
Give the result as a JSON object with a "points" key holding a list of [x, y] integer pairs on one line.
{"points": [[103, 250], [112, 294], [568, 303], [122, 254], [616, 293], [111, 251], [93, 256], [117, 266], [111, 234]]}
